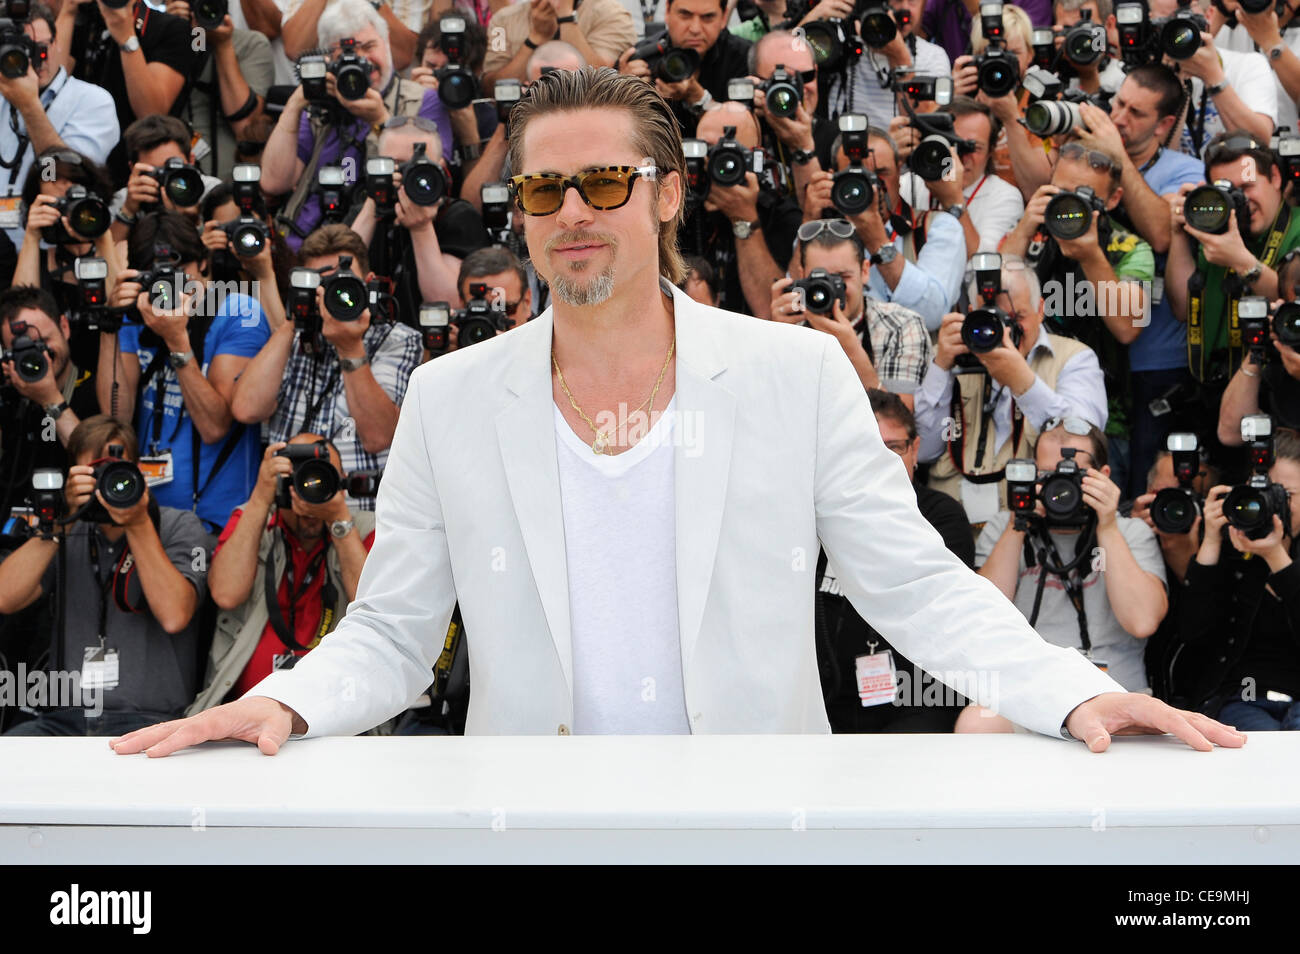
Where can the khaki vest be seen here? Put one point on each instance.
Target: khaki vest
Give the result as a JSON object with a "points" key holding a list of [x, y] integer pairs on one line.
{"points": [[1045, 364], [238, 631]]}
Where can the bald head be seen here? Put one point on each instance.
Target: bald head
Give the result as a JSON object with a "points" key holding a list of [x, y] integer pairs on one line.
{"points": [[556, 54], [399, 144], [780, 47], [713, 122]]}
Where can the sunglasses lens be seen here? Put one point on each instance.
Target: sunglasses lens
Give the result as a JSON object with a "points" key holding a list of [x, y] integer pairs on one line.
{"points": [[541, 196], [606, 188]]}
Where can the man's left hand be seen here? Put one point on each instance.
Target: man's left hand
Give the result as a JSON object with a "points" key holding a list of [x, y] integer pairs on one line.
{"points": [[1086, 247], [1102, 495], [735, 202], [1100, 132], [43, 392], [133, 517], [1135, 713], [1227, 249], [172, 325]]}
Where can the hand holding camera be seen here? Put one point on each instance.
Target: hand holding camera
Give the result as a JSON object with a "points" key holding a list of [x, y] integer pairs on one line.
{"points": [[1213, 215], [1097, 131], [42, 214], [787, 301], [273, 467], [28, 369], [342, 301], [950, 345]]}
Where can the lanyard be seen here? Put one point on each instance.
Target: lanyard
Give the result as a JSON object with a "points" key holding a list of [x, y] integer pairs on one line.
{"points": [[1045, 547], [957, 443], [14, 163], [102, 583], [329, 596]]}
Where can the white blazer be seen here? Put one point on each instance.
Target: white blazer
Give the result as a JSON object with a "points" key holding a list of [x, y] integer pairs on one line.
{"points": [[780, 451]]}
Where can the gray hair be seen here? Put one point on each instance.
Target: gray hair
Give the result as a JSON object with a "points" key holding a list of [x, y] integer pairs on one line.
{"points": [[345, 18], [555, 53]]}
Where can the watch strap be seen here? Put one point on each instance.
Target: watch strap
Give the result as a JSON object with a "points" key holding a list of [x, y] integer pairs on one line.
{"points": [[1217, 88], [528, 42], [801, 157], [54, 411], [131, 45], [354, 364], [571, 18], [179, 359], [341, 528]]}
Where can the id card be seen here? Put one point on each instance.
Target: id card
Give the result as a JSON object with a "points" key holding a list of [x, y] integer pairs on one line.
{"points": [[11, 212], [199, 148], [283, 661], [157, 469], [99, 668], [980, 500], [876, 682]]}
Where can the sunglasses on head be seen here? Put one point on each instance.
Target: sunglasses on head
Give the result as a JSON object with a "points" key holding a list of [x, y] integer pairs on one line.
{"points": [[1073, 425], [606, 188], [1097, 161], [840, 228], [419, 122]]}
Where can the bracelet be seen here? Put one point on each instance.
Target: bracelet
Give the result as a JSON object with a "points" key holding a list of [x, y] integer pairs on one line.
{"points": [[244, 111]]}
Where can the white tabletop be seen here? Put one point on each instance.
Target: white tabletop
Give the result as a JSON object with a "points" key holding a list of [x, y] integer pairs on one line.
{"points": [[860, 783]]}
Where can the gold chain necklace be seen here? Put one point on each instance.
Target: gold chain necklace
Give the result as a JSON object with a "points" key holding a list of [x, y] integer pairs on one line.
{"points": [[602, 441]]}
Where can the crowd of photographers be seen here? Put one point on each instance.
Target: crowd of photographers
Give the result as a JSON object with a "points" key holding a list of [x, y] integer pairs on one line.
{"points": [[1057, 242]]}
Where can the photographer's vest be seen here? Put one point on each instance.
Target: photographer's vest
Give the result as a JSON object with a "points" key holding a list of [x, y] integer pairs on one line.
{"points": [[238, 631], [1230, 292], [404, 98], [984, 463]]}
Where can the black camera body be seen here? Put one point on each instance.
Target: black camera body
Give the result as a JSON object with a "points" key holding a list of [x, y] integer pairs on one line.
{"points": [[248, 235], [1069, 214], [346, 294], [880, 24], [351, 71], [30, 358], [314, 476], [456, 84], [1062, 494], [423, 180], [209, 13], [820, 291], [783, 91], [118, 481], [854, 187], [1085, 42], [1251, 506], [86, 212], [1209, 208], [179, 181], [18, 51], [835, 42], [1175, 509], [982, 330], [162, 281], [672, 64], [728, 161], [1179, 35], [480, 319], [998, 70], [931, 160]]}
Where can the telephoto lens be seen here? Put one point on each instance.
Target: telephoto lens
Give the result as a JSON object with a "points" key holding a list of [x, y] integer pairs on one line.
{"points": [[853, 189], [878, 26], [1085, 42], [346, 296], [314, 476], [1180, 37], [1045, 117]]}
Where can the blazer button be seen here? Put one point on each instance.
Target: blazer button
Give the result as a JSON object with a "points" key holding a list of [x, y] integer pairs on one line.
{"points": [[563, 729]]}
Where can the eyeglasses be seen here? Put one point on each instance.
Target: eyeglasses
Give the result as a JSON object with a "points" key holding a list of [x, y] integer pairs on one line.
{"points": [[1073, 425], [419, 122], [840, 228], [1097, 161], [808, 76], [610, 187], [899, 447]]}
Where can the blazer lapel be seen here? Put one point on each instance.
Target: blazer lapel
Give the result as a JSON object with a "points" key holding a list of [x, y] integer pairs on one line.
{"points": [[526, 436], [706, 413]]}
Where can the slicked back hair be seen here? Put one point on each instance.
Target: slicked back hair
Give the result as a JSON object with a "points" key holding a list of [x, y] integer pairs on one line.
{"points": [[655, 133]]}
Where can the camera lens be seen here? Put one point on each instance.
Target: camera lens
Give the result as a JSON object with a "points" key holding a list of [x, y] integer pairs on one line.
{"points": [[184, 187], [851, 191], [209, 13], [31, 366], [120, 483], [1174, 510], [423, 183], [1061, 497], [931, 158], [1067, 216], [1084, 46], [248, 241], [819, 297], [981, 331], [473, 330], [455, 87], [352, 81], [678, 64], [727, 167], [89, 217], [996, 78], [1206, 208], [1180, 39], [346, 297], [878, 28], [1286, 324], [1247, 509], [783, 100], [14, 62], [1045, 118], [315, 480], [825, 42]]}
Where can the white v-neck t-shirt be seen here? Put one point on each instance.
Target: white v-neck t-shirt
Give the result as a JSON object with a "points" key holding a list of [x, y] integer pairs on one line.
{"points": [[620, 547]]}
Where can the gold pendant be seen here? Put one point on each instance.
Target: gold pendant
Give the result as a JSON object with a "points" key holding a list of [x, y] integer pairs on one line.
{"points": [[601, 442]]}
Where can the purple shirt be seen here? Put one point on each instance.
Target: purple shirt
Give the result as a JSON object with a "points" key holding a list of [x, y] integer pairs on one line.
{"points": [[947, 22], [431, 108]]}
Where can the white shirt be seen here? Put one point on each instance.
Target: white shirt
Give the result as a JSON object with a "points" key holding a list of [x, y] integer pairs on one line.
{"points": [[870, 97], [1237, 39], [1252, 79], [620, 547], [994, 205]]}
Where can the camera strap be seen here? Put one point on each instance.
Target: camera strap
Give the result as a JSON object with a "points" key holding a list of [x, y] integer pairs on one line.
{"points": [[957, 442], [329, 596], [1230, 289], [1041, 548]]}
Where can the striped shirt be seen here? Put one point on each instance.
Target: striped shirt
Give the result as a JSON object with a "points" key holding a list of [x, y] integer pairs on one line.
{"points": [[900, 345]]}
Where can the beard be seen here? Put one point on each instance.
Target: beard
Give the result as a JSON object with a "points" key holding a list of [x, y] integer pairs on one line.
{"points": [[595, 289]]}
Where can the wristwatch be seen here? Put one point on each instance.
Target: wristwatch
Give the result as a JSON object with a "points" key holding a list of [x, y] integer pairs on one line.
{"points": [[341, 528], [131, 45], [703, 104], [1217, 88], [742, 229], [354, 364], [179, 359], [801, 157], [1276, 52], [885, 254], [956, 210], [571, 18], [470, 150], [53, 411], [1252, 276]]}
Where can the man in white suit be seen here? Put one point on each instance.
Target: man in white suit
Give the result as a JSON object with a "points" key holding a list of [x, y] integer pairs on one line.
{"points": [[663, 583]]}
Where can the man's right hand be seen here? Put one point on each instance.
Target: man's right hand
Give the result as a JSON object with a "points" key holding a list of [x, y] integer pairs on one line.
{"points": [[262, 721], [42, 214], [1215, 521], [787, 305], [633, 67], [268, 474], [965, 76], [949, 343], [542, 21], [141, 189]]}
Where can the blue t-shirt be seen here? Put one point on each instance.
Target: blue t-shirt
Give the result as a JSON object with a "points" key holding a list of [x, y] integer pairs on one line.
{"points": [[239, 327], [1163, 343]]}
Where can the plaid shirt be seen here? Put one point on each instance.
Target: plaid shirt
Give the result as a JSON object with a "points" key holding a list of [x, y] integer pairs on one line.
{"points": [[312, 398], [899, 344]]}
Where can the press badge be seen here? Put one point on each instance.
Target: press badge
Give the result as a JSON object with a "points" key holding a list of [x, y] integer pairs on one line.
{"points": [[99, 668], [877, 684], [157, 469], [199, 148], [11, 212], [283, 661], [979, 500]]}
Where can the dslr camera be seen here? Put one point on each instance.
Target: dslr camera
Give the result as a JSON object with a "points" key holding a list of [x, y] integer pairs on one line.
{"points": [[1179, 35], [728, 160], [423, 180], [931, 159], [1250, 507], [880, 24], [248, 235], [1085, 42], [86, 212], [162, 281], [179, 181], [835, 42], [209, 13], [998, 69], [1054, 110], [1062, 494], [30, 358], [820, 291], [313, 477], [1175, 509], [18, 51], [456, 84], [854, 187], [346, 294], [351, 71], [118, 481], [1069, 214], [672, 64], [783, 91], [983, 327], [1209, 208], [480, 319], [1137, 40]]}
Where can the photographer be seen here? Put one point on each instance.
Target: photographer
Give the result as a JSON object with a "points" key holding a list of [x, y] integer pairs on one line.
{"points": [[35, 428], [599, 29], [700, 26], [1230, 90], [1104, 74], [1273, 33], [149, 143], [308, 554], [174, 374], [141, 56], [867, 84], [1207, 271], [131, 589], [887, 344], [419, 246], [302, 141], [305, 28], [268, 270], [47, 109], [972, 424], [843, 636], [347, 387], [927, 280], [470, 134], [1108, 592], [1241, 616], [745, 230], [1177, 548], [505, 278], [993, 206], [701, 282], [794, 141]]}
